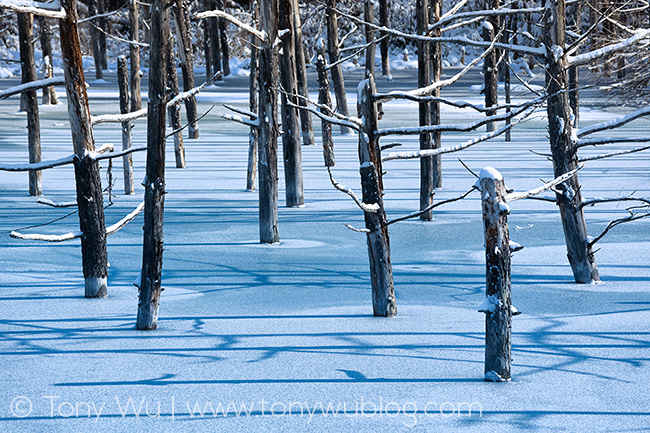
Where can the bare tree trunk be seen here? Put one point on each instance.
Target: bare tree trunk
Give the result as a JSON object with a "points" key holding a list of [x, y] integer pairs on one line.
{"points": [[290, 123], [223, 36], [381, 272], [268, 139], [506, 72], [436, 71], [215, 44], [90, 201], [152, 249], [336, 71], [574, 74], [123, 85], [49, 95], [490, 74], [205, 24], [368, 16], [325, 102], [384, 44], [563, 148], [134, 53], [94, 40], [253, 107], [101, 23], [28, 69], [174, 110], [301, 74], [498, 305], [183, 34], [424, 79]]}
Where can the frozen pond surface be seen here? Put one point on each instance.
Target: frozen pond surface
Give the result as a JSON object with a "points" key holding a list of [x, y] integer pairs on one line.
{"points": [[287, 329]]}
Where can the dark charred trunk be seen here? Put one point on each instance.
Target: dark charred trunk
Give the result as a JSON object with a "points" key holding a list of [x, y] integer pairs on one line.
{"points": [[336, 71], [301, 75], [424, 79], [223, 39], [385, 43], [94, 41], [368, 16], [268, 121], [253, 107], [436, 71], [154, 197], [174, 110], [134, 53], [325, 102], [215, 44], [49, 95]]}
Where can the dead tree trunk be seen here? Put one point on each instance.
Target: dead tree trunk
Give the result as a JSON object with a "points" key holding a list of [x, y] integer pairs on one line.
{"points": [[174, 110], [253, 107], [215, 45], [183, 34], [436, 71], [336, 71], [290, 124], [101, 23], [123, 85], [325, 102], [94, 40], [28, 70], [381, 272], [424, 79], [152, 248], [49, 95], [134, 54], [301, 74], [223, 36], [563, 148], [506, 71], [268, 122], [574, 73], [384, 44], [497, 306], [207, 55], [89, 189], [490, 74], [368, 16]]}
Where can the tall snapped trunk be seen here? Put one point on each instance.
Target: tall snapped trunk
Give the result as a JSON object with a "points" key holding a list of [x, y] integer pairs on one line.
{"points": [[301, 75], [185, 52], [123, 85], [436, 72], [49, 95], [134, 55], [333, 53], [424, 79], [154, 196], [90, 201], [174, 110], [385, 43], [563, 148]]}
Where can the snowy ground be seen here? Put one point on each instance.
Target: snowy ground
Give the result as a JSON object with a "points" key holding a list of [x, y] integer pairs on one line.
{"points": [[287, 329]]}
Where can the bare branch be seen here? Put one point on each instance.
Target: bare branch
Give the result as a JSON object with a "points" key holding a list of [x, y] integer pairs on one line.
{"points": [[124, 221], [536, 191], [241, 111], [609, 155], [356, 230], [582, 59], [32, 85], [428, 208], [632, 217], [370, 208], [261, 35], [611, 140], [615, 123]]}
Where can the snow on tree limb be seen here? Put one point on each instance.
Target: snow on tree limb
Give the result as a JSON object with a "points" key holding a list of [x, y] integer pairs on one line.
{"points": [[237, 118], [118, 118], [32, 85], [428, 208], [609, 155], [614, 123], [48, 202], [261, 35], [50, 10], [326, 118], [370, 208], [533, 192], [38, 165], [587, 57], [610, 140], [124, 221]]}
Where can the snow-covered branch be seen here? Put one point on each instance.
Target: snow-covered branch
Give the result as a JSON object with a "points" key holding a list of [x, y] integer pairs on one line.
{"points": [[32, 85], [326, 118], [50, 10], [261, 35], [614, 123], [587, 57], [609, 155], [118, 118], [241, 111], [124, 221], [595, 201], [610, 140], [38, 165], [632, 217], [458, 147], [370, 208], [237, 118], [432, 206], [48, 202], [536, 191]]}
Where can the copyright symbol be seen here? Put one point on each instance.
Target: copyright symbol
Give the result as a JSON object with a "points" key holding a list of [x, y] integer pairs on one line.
{"points": [[21, 407]]}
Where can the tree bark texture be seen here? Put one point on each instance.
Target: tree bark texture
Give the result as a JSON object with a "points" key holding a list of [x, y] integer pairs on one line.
{"points": [[28, 72], [336, 71], [424, 79], [215, 44], [381, 273], [186, 54], [325, 102], [490, 74], [291, 151], [154, 197], [301, 74], [223, 40], [134, 55], [268, 121], [563, 148], [94, 41], [385, 43], [253, 137], [90, 201], [497, 307], [101, 23], [435, 12], [127, 160], [49, 95], [174, 111], [368, 16]]}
